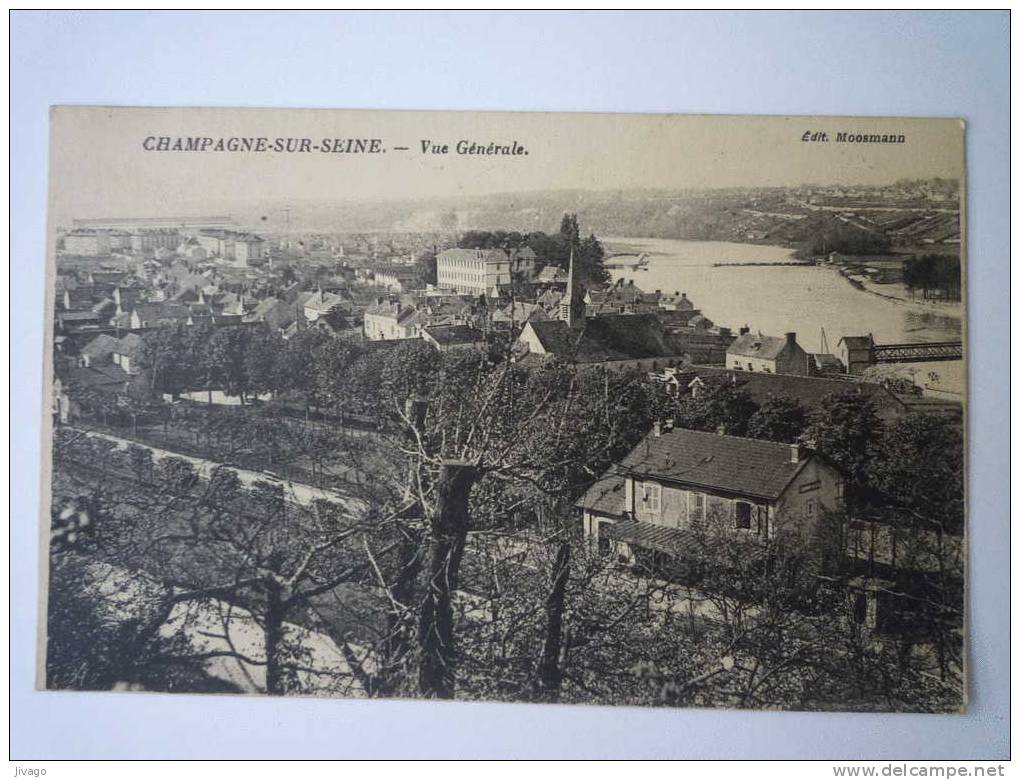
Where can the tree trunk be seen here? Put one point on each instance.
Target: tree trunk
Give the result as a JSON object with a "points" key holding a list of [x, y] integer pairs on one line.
{"points": [[550, 673], [449, 530], [274, 635], [400, 637]]}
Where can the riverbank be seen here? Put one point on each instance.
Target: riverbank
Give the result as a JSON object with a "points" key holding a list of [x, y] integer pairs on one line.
{"points": [[858, 282], [778, 263]]}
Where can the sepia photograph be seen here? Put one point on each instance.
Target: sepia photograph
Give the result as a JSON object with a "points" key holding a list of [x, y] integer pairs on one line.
{"points": [[653, 410]]}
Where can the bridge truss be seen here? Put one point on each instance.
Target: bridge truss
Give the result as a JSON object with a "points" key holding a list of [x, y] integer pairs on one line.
{"points": [[921, 352]]}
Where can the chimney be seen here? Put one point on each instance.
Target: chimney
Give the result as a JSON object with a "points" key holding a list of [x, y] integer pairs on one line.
{"points": [[656, 429], [791, 338], [794, 453]]}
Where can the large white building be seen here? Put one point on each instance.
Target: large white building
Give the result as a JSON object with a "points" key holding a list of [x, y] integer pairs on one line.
{"points": [[249, 249], [473, 271], [243, 248], [155, 238]]}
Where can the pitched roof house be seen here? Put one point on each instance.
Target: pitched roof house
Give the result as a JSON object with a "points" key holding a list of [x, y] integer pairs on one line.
{"points": [[450, 337], [126, 351], [387, 320], [98, 351], [320, 303], [808, 390], [678, 482], [619, 341], [771, 354], [520, 312], [156, 315], [273, 312], [621, 298]]}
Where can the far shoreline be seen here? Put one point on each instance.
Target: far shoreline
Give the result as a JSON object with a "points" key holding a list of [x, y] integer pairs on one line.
{"points": [[949, 308], [623, 249]]}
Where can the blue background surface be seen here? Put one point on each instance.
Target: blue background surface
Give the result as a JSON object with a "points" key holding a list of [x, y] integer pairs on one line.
{"points": [[868, 63]]}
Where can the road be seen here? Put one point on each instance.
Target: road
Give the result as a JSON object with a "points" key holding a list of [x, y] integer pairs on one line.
{"points": [[297, 492]]}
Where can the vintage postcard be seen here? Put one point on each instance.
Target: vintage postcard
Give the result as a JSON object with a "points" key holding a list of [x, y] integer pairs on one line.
{"points": [[580, 408]]}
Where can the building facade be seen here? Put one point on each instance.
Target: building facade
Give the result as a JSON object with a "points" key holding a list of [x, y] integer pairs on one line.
{"points": [[386, 321], [768, 354], [473, 271], [679, 482], [89, 243]]}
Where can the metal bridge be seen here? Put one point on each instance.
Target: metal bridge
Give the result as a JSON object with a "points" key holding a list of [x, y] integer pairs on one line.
{"points": [[920, 352]]}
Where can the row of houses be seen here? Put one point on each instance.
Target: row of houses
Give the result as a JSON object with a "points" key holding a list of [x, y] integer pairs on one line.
{"points": [[236, 246]]}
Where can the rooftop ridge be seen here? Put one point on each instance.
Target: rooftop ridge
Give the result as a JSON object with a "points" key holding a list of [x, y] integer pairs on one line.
{"points": [[714, 434]]}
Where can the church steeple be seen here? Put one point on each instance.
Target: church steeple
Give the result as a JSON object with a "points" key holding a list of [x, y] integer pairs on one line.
{"points": [[572, 302]]}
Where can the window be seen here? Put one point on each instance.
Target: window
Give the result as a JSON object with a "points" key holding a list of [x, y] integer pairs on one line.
{"points": [[697, 506], [653, 497], [810, 508], [750, 366], [860, 608], [743, 517], [604, 542]]}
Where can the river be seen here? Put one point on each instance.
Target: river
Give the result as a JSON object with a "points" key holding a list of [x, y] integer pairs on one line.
{"points": [[805, 299]]}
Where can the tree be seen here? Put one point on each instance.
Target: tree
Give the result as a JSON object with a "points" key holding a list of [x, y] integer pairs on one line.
{"points": [[164, 352], [89, 646], [425, 269], [591, 255], [932, 273], [490, 239], [205, 568], [570, 233], [779, 418], [224, 351], [177, 474], [141, 462], [260, 364], [717, 403], [224, 486], [824, 234], [919, 465], [847, 430]]}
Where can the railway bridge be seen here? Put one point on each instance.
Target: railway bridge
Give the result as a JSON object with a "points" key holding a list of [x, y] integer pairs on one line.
{"points": [[859, 352], [919, 352]]}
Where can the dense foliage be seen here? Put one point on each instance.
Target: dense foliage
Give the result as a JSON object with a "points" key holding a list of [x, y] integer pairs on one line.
{"points": [[934, 276], [824, 234], [524, 608]]}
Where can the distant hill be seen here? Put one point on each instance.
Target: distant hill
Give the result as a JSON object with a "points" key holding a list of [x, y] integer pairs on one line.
{"points": [[782, 216]]}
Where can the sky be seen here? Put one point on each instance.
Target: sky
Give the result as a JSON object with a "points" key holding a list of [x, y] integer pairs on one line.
{"points": [[101, 168]]}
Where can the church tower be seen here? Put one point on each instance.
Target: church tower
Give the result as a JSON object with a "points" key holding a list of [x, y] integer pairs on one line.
{"points": [[572, 302]]}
